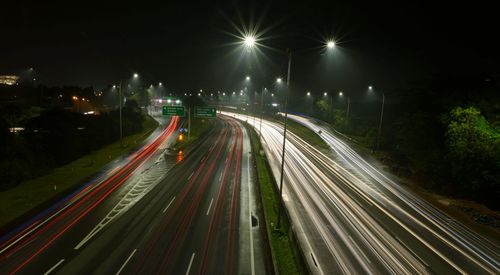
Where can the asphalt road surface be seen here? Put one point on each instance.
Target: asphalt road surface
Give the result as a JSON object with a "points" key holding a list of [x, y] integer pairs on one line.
{"points": [[194, 212], [351, 218]]}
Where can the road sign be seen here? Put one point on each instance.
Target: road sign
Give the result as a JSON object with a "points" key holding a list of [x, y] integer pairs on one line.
{"points": [[205, 112], [173, 110]]}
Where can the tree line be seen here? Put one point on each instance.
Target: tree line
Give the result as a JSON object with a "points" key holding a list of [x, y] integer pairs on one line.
{"points": [[443, 131]]}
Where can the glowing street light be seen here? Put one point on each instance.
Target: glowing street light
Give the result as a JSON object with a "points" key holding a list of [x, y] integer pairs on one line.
{"points": [[308, 93], [330, 44], [136, 75], [278, 80], [159, 84], [325, 94], [249, 41], [370, 88], [248, 77], [348, 104]]}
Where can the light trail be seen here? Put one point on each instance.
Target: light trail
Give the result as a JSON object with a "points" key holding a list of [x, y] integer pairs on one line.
{"points": [[349, 212]]}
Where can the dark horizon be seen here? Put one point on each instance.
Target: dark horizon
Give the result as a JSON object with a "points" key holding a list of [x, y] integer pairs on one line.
{"points": [[189, 47]]}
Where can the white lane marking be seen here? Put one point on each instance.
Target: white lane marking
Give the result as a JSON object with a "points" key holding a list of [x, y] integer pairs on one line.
{"points": [[171, 201], [191, 175], [252, 259], [126, 261], [210, 206], [54, 267], [190, 263]]}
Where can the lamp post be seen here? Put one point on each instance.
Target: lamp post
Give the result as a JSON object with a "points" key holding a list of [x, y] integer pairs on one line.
{"points": [[120, 111], [331, 105], [120, 99], [348, 104], [278, 224], [250, 42], [370, 88]]}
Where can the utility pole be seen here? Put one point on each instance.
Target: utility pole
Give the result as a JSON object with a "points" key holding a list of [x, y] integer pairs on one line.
{"points": [[348, 107], [278, 224], [120, 108], [189, 123], [380, 123], [261, 111]]}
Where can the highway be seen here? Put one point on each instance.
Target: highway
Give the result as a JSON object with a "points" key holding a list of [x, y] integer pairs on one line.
{"points": [[154, 213], [351, 218]]}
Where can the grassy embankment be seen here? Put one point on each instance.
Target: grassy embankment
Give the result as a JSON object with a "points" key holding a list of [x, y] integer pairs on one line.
{"points": [[308, 135], [285, 253], [31, 196]]}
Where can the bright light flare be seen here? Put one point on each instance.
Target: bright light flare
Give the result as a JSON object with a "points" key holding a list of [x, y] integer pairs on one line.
{"points": [[249, 41], [330, 44]]}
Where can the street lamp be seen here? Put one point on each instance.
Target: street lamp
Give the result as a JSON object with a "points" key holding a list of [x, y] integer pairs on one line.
{"points": [[249, 41], [120, 95], [348, 104], [381, 116], [331, 105], [330, 44], [247, 78]]}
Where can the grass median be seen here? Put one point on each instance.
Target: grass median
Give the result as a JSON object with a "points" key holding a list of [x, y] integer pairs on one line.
{"points": [[285, 255], [33, 195], [307, 134]]}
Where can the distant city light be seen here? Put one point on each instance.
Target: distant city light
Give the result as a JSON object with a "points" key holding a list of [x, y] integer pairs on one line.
{"points": [[9, 80]]}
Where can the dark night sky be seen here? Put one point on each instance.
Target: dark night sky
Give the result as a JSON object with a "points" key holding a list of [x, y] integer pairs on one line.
{"points": [[185, 44]]}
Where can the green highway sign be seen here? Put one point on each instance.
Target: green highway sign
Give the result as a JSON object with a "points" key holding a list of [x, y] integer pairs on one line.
{"points": [[205, 112], [173, 110]]}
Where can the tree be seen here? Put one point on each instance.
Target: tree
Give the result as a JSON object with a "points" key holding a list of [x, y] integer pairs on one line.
{"points": [[474, 155]]}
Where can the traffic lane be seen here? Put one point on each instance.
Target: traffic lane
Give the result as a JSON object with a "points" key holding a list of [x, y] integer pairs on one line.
{"points": [[428, 244], [457, 237], [151, 258], [134, 229], [36, 243], [253, 255], [326, 235]]}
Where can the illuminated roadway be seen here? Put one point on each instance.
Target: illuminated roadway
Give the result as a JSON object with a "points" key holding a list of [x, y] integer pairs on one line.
{"points": [[350, 218], [192, 213]]}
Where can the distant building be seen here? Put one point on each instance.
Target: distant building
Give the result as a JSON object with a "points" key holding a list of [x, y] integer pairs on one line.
{"points": [[9, 80]]}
